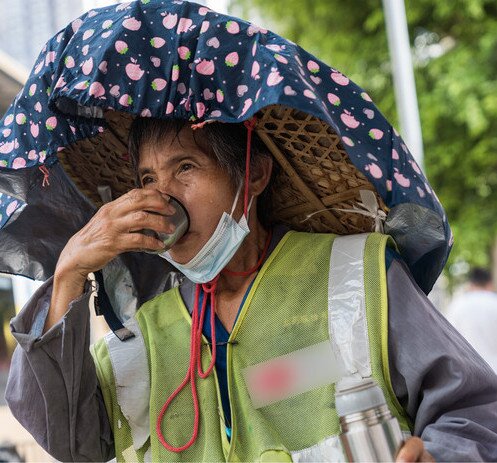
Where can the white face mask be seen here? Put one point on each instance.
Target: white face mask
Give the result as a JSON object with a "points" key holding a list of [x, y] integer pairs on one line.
{"points": [[219, 249]]}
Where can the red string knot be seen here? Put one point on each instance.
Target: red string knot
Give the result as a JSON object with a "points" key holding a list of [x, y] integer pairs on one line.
{"points": [[46, 174]]}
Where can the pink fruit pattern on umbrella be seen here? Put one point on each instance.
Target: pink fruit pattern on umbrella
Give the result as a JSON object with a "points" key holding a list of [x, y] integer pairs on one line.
{"points": [[134, 71], [376, 134], [280, 58], [132, 24], [88, 33], [313, 66], [69, 62], [159, 84], [339, 78], [170, 20], [333, 99], [157, 42], [103, 67], [349, 120], [232, 27], [374, 170], [126, 100], [274, 78], [96, 89], [8, 119], [51, 123], [21, 118], [34, 129], [205, 67], [184, 52], [175, 73], [87, 66], [402, 180], [184, 25], [121, 47], [11, 208], [231, 59]]}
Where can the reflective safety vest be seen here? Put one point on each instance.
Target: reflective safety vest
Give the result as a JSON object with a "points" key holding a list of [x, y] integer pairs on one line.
{"points": [[316, 315]]}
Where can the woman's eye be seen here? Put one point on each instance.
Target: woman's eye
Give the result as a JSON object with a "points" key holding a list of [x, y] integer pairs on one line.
{"points": [[146, 180], [185, 167]]}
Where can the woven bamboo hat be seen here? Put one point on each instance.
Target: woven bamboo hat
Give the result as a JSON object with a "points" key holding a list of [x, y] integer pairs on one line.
{"points": [[317, 188]]}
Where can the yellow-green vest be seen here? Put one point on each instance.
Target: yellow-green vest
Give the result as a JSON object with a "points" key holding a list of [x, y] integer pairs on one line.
{"points": [[305, 296]]}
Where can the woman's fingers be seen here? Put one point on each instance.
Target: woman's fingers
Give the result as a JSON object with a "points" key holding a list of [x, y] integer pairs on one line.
{"points": [[140, 200], [413, 450], [140, 220], [114, 229], [139, 241]]}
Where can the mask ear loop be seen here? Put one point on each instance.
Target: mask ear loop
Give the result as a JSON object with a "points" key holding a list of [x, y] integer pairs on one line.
{"points": [[235, 202]]}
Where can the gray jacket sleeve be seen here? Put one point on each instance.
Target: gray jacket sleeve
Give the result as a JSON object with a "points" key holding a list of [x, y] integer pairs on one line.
{"points": [[447, 389], [52, 388]]}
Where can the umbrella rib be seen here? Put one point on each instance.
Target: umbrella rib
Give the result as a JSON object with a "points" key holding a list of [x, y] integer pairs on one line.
{"points": [[312, 198]]}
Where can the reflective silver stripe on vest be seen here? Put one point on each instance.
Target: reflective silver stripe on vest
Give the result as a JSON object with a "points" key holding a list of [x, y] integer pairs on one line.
{"points": [[347, 321], [347, 325], [130, 368]]}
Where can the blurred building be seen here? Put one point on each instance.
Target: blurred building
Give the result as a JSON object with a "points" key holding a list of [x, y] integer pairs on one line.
{"points": [[26, 25], [12, 76]]}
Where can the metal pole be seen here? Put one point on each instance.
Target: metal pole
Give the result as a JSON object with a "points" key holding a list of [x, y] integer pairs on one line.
{"points": [[403, 76]]}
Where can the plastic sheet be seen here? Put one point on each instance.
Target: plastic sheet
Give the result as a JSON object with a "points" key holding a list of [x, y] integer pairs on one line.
{"points": [[130, 367], [421, 237]]}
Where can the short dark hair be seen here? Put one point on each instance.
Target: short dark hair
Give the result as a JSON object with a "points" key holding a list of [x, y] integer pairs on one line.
{"points": [[479, 276], [225, 142]]}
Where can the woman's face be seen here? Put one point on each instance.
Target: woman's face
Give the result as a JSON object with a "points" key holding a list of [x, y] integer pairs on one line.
{"points": [[181, 168]]}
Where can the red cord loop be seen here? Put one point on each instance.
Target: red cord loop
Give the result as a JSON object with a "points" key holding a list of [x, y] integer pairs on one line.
{"points": [[256, 266], [195, 361], [43, 169]]}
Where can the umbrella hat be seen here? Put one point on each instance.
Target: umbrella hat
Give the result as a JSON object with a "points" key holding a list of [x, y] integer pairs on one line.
{"points": [[63, 151]]}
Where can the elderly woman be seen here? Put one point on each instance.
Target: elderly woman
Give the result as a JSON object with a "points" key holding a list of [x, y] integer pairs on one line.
{"points": [[195, 383]]}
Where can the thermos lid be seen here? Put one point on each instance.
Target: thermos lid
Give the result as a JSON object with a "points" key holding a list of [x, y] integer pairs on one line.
{"points": [[358, 396]]}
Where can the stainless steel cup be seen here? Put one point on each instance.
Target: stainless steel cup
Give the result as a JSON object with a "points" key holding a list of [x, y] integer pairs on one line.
{"points": [[179, 219], [369, 431]]}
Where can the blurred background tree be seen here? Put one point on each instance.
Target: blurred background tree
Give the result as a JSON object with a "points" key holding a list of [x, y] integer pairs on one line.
{"points": [[454, 46]]}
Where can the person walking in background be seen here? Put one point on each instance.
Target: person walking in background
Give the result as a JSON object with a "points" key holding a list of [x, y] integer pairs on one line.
{"points": [[474, 314]]}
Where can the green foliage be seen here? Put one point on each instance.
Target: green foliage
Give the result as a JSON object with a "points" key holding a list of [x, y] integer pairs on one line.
{"points": [[457, 91]]}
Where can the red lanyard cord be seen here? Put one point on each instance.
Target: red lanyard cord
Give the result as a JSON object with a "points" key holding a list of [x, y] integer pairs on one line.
{"points": [[195, 365], [195, 362], [259, 262]]}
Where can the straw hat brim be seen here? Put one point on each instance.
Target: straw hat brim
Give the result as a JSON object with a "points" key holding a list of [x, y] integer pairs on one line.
{"points": [[317, 187]]}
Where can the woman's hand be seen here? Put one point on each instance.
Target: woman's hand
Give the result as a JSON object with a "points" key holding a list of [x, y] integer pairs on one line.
{"points": [[413, 450], [110, 232]]}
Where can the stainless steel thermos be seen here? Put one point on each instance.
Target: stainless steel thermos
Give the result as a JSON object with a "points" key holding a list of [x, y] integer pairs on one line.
{"points": [[369, 431]]}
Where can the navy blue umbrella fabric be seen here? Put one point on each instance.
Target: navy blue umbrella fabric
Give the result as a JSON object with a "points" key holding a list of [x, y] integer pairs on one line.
{"points": [[181, 60]]}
